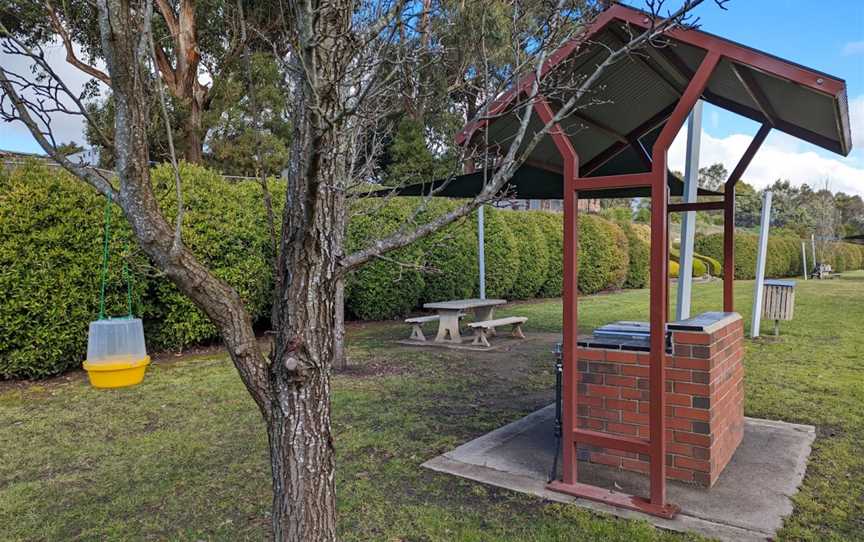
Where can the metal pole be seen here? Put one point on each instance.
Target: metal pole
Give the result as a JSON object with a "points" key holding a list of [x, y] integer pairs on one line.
{"points": [[804, 258], [813, 248], [481, 251], [764, 225], [688, 220]]}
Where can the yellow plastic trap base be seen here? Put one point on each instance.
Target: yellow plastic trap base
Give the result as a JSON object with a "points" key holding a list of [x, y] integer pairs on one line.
{"points": [[117, 374]]}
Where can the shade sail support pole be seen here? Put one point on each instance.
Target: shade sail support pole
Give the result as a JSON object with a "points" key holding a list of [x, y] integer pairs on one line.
{"points": [[804, 259], [481, 249], [729, 217], [761, 256], [688, 220]]}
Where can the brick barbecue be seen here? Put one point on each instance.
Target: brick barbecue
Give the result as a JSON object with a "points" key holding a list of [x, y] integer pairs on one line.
{"points": [[705, 396]]}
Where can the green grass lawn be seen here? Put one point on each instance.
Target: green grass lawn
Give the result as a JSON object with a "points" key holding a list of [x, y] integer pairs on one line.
{"points": [[183, 456]]}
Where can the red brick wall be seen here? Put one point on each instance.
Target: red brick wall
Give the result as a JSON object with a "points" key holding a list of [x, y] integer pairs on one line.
{"points": [[705, 402]]}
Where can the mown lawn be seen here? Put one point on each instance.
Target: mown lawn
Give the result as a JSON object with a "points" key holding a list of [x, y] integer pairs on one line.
{"points": [[183, 456]]}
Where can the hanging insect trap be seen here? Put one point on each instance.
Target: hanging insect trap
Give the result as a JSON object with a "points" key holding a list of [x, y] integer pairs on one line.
{"points": [[116, 354]]}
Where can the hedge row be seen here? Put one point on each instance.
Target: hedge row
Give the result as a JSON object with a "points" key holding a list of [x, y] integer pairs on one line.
{"points": [[783, 254], [50, 250], [50, 257]]}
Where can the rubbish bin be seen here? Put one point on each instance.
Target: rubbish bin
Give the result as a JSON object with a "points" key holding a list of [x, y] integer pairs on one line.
{"points": [[779, 301]]}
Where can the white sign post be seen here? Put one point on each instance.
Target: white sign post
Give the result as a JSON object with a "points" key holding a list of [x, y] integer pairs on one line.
{"points": [[481, 250], [804, 258], [688, 220], [764, 225]]}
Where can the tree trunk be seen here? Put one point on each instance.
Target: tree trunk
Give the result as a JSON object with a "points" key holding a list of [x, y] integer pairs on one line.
{"points": [[193, 152], [302, 462], [301, 448]]}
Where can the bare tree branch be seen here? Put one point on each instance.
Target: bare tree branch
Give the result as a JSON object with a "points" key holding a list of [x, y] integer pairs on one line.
{"points": [[71, 58], [513, 158]]}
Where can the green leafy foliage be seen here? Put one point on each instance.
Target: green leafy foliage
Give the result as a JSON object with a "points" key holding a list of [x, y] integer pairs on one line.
{"points": [[783, 254], [450, 256], [639, 253], [618, 255], [603, 255], [383, 288], [225, 226], [502, 253], [712, 266], [533, 253], [50, 258], [552, 227]]}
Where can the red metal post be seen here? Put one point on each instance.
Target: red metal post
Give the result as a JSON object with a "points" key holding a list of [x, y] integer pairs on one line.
{"points": [[571, 295], [729, 217], [729, 248], [660, 276]]}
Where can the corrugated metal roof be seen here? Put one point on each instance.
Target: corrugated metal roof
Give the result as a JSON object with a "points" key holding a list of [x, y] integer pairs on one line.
{"points": [[802, 102]]}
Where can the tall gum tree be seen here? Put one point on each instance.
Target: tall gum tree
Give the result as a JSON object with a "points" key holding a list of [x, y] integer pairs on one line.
{"points": [[344, 85]]}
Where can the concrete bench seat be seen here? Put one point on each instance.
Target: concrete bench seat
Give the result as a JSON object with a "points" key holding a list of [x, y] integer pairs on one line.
{"points": [[485, 328], [417, 323]]}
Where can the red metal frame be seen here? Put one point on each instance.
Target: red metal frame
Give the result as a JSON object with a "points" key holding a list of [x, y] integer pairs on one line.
{"points": [[729, 217], [716, 48], [655, 446]]}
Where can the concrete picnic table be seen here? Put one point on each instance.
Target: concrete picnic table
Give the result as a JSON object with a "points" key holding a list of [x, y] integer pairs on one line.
{"points": [[448, 315]]}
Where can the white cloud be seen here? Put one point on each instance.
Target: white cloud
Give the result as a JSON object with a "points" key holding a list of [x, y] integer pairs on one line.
{"points": [[780, 157], [856, 120], [854, 48]]}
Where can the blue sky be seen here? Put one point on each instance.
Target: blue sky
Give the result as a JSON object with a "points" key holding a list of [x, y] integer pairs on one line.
{"points": [[827, 36]]}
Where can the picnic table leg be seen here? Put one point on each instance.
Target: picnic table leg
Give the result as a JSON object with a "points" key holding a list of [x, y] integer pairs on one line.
{"points": [[448, 324], [482, 314]]}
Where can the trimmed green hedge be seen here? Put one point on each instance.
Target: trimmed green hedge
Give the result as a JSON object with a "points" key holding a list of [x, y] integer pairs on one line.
{"points": [[640, 256], [501, 251], [50, 259], [50, 249], [384, 288], [533, 254], [450, 257], [552, 227], [50, 253], [783, 254], [225, 226]]}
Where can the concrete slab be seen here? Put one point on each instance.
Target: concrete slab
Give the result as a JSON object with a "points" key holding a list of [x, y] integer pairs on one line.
{"points": [[748, 502]]}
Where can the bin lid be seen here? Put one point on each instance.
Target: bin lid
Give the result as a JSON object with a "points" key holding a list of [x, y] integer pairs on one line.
{"points": [[779, 282]]}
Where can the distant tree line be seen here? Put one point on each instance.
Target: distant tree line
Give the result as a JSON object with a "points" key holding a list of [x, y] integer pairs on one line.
{"points": [[802, 209]]}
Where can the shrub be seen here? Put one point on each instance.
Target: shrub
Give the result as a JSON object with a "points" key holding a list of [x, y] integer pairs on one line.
{"points": [[552, 225], [50, 260], [619, 257], [673, 269], [383, 288], [533, 253], [745, 252], [502, 253], [225, 226], [639, 256], [713, 267], [450, 256], [699, 268], [603, 257]]}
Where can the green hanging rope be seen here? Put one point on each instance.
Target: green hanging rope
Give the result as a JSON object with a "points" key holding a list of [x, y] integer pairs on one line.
{"points": [[128, 277], [105, 253], [105, 257]]}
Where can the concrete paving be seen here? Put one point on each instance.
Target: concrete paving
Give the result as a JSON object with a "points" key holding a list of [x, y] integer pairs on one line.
{"points": [[748, 502]]}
